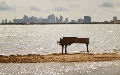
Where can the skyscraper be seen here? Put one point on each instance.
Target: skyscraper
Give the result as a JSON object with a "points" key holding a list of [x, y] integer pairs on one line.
{"points": [[10, 21], [61, 19], [73, 21], [17, 20], [87, 19], [80, 20], [66, 20], [25, 19], [114, 18], [57, 20], [51, 18], [5, 20], [40, 20], [32, 19], [45, 21]]}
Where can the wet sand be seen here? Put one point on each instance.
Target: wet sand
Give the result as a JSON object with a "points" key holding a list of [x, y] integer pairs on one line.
{"points": [[76, 57]]}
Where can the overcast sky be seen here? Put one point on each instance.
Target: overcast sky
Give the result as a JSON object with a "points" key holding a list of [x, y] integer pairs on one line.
{"points": [[99, 10]]}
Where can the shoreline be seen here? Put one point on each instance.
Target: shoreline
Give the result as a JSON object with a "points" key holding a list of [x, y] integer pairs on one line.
{"points": [[75, 57], [55, 23]]}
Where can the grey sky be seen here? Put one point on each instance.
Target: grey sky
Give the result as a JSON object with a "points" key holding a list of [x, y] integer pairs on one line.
{"points": [[34, 9], [4, 6], [99, 10], [109, 5]]}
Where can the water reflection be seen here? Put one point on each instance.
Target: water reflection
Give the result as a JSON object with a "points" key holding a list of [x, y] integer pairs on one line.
{"points": [[83, 68], [43, 39]]}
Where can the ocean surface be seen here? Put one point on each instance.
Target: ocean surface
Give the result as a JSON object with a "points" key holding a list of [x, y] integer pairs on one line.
{"points": [[82, 68], [42, 39]]}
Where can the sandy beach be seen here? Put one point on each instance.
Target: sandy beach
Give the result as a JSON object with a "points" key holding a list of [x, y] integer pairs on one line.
{"points": [[76, 57]]}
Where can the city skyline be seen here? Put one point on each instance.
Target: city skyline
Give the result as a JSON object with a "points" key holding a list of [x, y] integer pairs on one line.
{"points": [[53, 19], [50, 19], [99, 10]]}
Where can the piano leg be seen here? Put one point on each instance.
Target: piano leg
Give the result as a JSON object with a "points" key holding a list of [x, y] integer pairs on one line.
{"points": [[65, 49], [62, 48], [87, 48]]}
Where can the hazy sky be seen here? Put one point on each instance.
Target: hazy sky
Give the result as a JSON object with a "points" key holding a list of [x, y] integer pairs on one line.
{"points": [[99, 10]]}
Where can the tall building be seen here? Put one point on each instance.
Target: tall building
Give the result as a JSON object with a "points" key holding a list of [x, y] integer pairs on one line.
{"points": [[33, 19], [17, 20], [25, 19], [61, 19], [14, 21], [5, 20], [114, 18], [66, 20], [10, 21], [45, 21], [80, 20], [57, 20], [51, 18], [40, 20], [87, 19], [73, 21]]}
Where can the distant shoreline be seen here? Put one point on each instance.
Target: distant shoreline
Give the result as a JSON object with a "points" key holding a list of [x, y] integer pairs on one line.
{"points": [[51, 23], [76, 57]]}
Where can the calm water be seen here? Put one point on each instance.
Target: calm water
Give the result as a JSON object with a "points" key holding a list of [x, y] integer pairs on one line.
{"points": [[35, 39], [84, 68], [38, 39]]}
